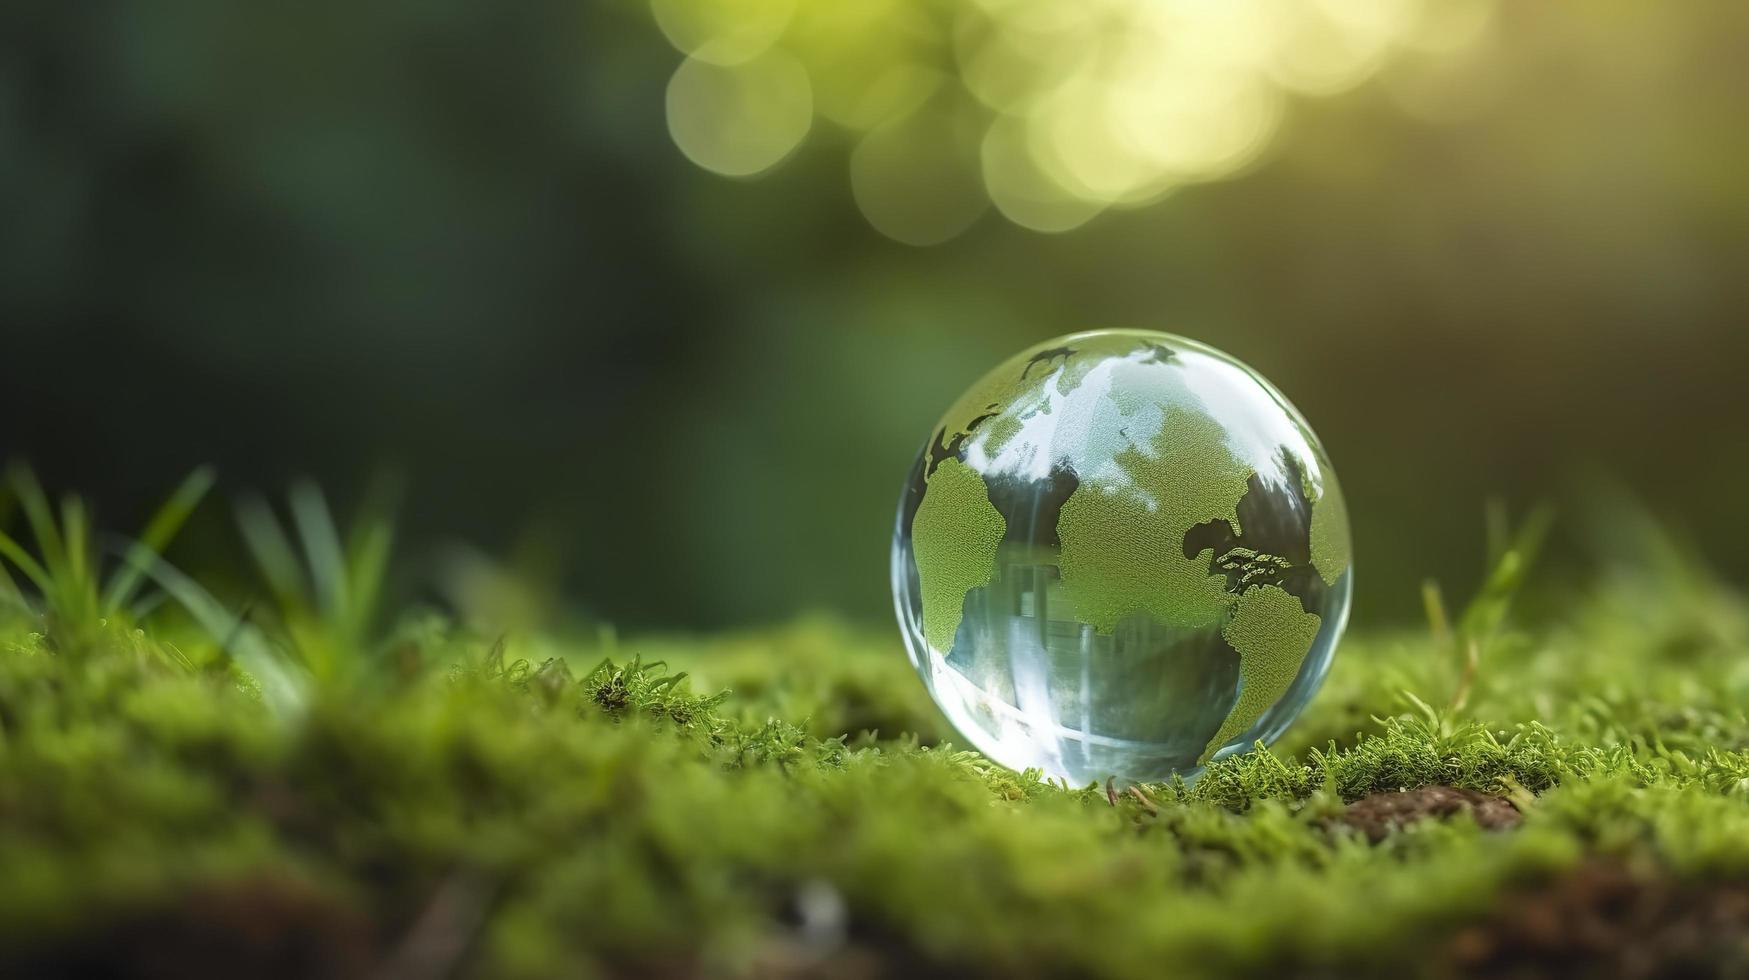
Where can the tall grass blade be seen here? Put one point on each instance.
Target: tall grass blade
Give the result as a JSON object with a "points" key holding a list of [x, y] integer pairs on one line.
{"points": [[39, 516], [8, 588], [163, 527], [77, 600], [76, 527], [146, 605], [367, 570], [280, 686], [13, 552], [369, 541], [322, 549], [271, 550], [1487, 611]]}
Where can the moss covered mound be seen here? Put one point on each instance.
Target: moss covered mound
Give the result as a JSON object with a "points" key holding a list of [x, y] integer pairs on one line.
{"points": [[462, 804]]}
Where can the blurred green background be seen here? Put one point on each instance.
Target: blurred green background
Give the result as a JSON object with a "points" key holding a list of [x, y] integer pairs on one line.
{"points": [[659, 299]]}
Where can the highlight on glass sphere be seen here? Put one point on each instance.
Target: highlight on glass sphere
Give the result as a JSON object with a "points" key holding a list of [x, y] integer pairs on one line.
{"points": [[1121, 554]]}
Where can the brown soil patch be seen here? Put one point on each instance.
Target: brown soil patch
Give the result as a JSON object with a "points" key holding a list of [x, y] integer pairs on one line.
{"points": [[1378, 815], [1601, 920], [261, 928]]}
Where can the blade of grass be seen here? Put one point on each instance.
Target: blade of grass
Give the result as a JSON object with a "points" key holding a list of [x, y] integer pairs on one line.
{"points": [[271, 550], [1497, 525], [146, 604], [13, 552], [369, 541], [1433, 604], [163, 527], [77, 599], [322, 549], [1484, 614], [367, 568], [39, 516], [280, 686], [8, 587]]}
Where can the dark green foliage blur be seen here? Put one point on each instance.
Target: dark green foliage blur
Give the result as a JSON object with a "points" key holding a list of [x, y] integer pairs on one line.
{"points": [[455, 240]]}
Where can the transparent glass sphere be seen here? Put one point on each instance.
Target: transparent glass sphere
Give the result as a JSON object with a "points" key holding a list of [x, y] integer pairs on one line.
{"points": [[1121, 554]]}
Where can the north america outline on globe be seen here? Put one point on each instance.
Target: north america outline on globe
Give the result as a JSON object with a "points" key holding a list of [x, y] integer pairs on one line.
{"points": [[1155, 530]]}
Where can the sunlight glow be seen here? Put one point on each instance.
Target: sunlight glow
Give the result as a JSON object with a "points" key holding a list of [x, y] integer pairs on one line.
{"points": [[1051, 111]]}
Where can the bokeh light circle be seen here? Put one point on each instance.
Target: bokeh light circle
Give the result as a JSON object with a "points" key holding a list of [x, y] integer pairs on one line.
{"points": [[1058, 111], [723, 32], [739, 120]]}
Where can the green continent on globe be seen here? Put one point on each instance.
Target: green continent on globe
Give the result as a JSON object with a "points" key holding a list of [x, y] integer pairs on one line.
{"points": [[1123, 541], [954, 537], [1272, 634], [1330, 547]]}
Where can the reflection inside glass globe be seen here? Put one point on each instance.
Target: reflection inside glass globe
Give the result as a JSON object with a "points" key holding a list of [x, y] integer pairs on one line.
{"points": [[1121, 554]]}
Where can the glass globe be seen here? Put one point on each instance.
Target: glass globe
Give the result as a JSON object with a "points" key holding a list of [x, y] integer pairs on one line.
{"points": [[1121, 554]]}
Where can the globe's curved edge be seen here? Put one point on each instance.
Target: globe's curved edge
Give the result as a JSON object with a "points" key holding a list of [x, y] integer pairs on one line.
{"points": [[956, 531]]}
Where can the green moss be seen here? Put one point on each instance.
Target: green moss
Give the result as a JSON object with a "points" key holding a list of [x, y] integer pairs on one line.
{"points": [[563, 804], [620, 816], [955, 536]]}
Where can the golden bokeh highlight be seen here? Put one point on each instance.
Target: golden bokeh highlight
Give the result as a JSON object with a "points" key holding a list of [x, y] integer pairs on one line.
{"points": [[740, 119], [1051, 112], [723, 32]]}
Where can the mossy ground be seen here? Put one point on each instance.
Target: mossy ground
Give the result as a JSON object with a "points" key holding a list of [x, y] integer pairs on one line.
{"points": [[438, 800]]}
